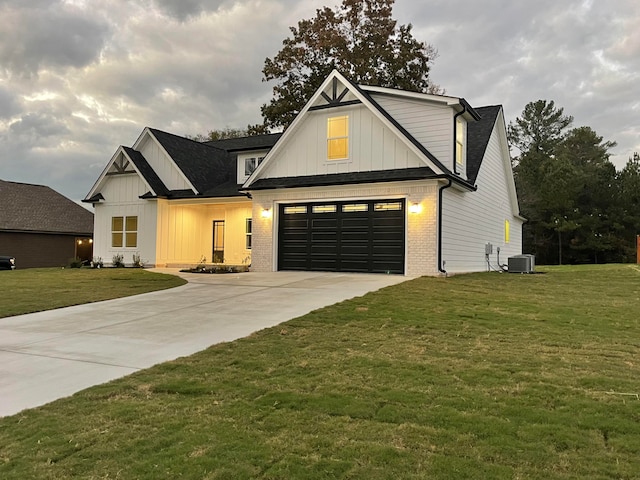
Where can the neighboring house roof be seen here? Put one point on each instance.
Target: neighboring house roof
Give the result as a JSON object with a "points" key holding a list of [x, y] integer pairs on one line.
{"points": [[478, 135], [36, 208]]}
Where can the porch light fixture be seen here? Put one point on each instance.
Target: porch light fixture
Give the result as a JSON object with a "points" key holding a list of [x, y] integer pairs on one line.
{"points": [[266, 213], [415, 208]]}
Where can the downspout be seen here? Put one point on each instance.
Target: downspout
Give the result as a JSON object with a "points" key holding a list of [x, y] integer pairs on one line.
{"points": [[455, 137], [442, 188]]}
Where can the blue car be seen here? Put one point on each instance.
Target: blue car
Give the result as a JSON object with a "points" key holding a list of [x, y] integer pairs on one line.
{"points": [[7, 263]]}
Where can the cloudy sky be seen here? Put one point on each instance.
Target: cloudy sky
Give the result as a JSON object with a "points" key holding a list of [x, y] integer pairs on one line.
{"points": [[78, 78]]}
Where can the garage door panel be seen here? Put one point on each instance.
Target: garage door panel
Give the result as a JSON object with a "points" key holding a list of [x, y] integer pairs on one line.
{"points": [[365, 236]]}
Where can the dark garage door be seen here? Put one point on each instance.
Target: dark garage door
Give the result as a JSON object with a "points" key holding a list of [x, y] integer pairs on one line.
{"points": [[363, 236]]}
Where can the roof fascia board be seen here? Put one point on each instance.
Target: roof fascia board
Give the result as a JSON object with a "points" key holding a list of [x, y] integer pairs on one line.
{"points": [[133, 164], [504, 145]]}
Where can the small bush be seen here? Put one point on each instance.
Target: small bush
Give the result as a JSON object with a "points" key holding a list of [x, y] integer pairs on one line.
{"points": [[117, 260], [97, 262], [137, 260], [75, 263]]}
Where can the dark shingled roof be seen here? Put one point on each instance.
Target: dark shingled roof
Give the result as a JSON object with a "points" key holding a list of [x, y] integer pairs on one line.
{"points": [[147, 172], [36, 208], [478, 135], [256, 142], [205, 166], [376, 176]]}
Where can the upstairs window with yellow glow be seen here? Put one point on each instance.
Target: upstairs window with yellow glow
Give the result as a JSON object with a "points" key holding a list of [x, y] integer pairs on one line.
{"points": [[338, 138], [460, 136], [507, 231]]}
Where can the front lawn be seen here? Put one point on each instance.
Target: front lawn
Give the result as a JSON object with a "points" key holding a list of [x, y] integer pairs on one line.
{"points": [[482, 376], [36, 289]]}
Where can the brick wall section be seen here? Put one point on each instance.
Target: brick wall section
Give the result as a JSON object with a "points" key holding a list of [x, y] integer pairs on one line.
{"points": [[421, 247]]}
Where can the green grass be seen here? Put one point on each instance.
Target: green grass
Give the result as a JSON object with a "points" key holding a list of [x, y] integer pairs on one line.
{"points": [[481, 376], [36, 289]]}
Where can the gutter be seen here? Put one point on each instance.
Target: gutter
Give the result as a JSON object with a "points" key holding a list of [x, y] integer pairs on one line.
{"points": [[455, 136], [440, 191]]}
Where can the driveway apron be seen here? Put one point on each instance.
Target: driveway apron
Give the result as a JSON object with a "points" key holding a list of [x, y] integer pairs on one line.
{"points": [[49, 355]]}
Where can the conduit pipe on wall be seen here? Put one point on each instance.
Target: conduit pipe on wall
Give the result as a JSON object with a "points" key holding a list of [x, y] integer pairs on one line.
{"points": [[440, 192]]}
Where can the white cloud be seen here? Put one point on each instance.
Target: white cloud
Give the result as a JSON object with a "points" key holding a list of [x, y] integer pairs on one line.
{"points": [[80, 77]]}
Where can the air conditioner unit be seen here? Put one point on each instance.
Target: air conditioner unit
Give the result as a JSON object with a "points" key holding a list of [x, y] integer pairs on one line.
{"points": [[521, 263]]}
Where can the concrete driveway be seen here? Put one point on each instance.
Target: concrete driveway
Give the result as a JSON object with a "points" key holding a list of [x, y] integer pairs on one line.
{"points": [[49, 355]]}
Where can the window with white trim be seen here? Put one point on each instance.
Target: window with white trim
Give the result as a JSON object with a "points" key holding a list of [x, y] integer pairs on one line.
{"points": [[124, 232], [338, 138], [460, 136], [250, 164]]}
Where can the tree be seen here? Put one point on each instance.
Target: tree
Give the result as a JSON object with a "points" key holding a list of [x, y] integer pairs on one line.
{"points": [[628, 181], [361, 40], [228, 132], [540, 129], [536, 134]]}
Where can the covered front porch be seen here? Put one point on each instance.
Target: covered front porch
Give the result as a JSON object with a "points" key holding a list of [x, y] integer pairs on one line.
{"points": [[212, 231]]}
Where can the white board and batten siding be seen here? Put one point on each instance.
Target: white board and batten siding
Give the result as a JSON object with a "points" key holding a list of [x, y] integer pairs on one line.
{"points": [[473, 219], [429, 123], [372, 146], [122, 193]]}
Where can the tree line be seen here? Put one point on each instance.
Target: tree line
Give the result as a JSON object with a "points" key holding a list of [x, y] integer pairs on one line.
{"points": [[579, 208]]}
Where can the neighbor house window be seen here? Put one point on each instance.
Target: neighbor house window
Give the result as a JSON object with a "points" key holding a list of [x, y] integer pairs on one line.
{"points": [[507, 231], [250, 164], [338, 138], [460, 141], [124, 231], [247, 231]]}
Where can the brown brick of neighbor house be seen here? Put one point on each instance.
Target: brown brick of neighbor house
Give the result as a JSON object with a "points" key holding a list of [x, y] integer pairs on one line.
{"points": [[42, 228]]}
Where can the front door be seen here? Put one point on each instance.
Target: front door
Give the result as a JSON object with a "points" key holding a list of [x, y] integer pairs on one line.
{"points": [[217, 256]]}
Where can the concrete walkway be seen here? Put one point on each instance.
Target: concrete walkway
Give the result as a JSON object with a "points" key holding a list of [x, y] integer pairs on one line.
{"points": [[49, 355]]}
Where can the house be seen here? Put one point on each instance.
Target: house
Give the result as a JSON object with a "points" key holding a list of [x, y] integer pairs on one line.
{"points": [[42, 228], [365, 179]]}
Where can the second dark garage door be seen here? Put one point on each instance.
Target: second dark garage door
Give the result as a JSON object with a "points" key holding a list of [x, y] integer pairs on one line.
{"points": [[353, 236]]}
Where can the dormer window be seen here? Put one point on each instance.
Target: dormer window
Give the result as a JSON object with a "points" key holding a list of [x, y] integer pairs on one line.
{"points": [[338, 138], [461, 135], [250, 164]]}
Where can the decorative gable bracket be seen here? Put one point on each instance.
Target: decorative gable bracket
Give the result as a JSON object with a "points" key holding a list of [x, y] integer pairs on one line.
{"points": [[119, 166], [335, 100]]}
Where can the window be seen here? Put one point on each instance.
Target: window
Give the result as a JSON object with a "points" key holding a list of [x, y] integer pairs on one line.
{"points": [[117, 229], [387, 206], [298, 209], [460, 134], [338, 138], [324, 208], [217, 255], [250, 164], [124, 231], [131, 231], [507, 232], [247, 232], [355, 207]]}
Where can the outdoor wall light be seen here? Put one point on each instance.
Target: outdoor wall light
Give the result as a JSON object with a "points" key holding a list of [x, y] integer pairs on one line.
{"points": [[266, 213], [415, 208]]}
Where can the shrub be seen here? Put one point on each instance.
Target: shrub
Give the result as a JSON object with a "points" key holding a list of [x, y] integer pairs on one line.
{"points": [[117, 260], [137, 260], [97, 262], [75, 263]]}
